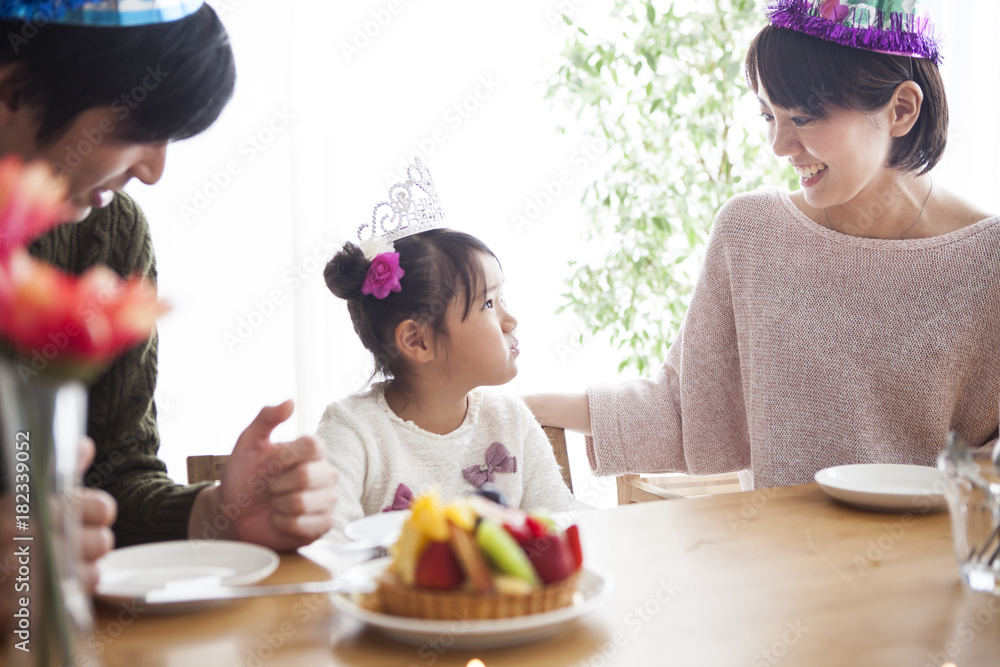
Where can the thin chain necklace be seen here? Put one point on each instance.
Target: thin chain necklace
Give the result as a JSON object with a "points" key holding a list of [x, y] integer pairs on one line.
{"points": [[907, 230]]}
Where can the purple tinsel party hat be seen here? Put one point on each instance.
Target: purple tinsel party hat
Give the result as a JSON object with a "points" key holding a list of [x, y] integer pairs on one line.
{"points": [[98, 12], [898, 27]]}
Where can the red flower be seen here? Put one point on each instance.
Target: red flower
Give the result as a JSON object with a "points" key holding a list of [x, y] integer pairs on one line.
{"points": [[383, 276], [31, 199], [50, 316], [47, 314]]}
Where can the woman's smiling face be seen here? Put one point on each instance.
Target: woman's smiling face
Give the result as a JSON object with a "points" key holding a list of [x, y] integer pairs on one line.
{"points": [[836, 156]]}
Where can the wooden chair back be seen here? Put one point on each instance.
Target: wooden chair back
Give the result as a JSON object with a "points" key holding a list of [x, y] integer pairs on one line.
{"points": [[641, 488], [205, 467], [557, 438]]}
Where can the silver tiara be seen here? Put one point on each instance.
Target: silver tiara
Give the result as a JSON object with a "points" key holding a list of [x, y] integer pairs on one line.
{"points": [[412, 207]]}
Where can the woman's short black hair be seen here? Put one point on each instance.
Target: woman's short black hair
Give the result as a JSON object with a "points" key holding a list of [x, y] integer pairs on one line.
{"points": [[441, 265], [163, 82], [803, 72]]}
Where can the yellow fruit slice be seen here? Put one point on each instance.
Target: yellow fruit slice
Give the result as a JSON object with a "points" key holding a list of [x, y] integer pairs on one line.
{"points": [[428, 516], [407, 551], [461, 514]]}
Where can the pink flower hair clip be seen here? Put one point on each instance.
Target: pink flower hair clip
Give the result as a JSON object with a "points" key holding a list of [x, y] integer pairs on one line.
{"points": [[383, 275]]}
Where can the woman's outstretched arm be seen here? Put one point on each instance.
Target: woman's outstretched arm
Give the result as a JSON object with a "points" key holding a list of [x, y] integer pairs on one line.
{"points": [[571, 411]]}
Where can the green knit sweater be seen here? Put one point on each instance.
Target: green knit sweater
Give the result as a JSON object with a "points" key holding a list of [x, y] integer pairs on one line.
{"points": [[121, 413]]}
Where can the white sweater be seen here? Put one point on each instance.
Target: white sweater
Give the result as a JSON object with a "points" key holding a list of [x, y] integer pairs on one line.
{"points": [[376, 452], [804, 348]]}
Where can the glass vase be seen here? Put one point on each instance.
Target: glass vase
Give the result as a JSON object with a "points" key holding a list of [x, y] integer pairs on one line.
{"points": [[47, 610]]}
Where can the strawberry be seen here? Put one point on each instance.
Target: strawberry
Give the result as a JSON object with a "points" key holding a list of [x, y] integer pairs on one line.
{"points": [[526, 531], [573, 537], [538, 528], [552, 558], [520, 532], [438, 568]]}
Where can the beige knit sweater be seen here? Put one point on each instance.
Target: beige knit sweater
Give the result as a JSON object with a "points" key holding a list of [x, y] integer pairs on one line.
{"points": [[804, 348]]}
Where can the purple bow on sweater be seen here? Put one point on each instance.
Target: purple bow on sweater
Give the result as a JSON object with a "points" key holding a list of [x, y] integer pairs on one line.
{"points": [[402, 499], [498, 459]]}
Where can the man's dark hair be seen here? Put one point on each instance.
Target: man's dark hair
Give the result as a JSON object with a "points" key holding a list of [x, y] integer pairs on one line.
{"points": [[164, 82]]}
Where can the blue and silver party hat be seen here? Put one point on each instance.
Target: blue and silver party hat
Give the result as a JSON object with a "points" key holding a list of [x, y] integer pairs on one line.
{"points": [[101, 13]]}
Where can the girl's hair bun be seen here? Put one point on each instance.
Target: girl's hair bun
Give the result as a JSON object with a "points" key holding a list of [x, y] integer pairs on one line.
{"points": [[345, 273]]}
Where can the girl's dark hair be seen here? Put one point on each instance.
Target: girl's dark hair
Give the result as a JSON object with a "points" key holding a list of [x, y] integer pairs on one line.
{"points": [[164, 82], [441, 265], [803, 72]]}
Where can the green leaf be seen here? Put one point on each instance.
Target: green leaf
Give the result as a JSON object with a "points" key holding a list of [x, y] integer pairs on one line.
{"points": [[680, 144]]}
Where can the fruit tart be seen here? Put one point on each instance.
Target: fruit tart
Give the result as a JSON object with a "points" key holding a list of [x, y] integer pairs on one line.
{"points": [[472, 558]]}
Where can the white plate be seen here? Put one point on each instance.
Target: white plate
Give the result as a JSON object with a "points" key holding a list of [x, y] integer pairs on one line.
{"points": [[885, 487], [131, 571], [593, 589], [381, 528]]}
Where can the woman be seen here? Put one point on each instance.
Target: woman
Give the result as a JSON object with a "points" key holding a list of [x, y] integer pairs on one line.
{"points": [[102, 104], [855, 320]]}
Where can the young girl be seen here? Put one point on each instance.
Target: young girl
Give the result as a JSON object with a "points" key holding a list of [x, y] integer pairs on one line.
{"points": [[428, 305], [855, 320]]}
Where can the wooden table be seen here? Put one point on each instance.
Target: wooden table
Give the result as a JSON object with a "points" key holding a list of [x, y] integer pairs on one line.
{"points": [[776, 576]]}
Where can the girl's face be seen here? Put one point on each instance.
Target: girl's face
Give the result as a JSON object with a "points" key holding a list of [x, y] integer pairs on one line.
{"points": [[88, 155], [481, 349], [837, 157]]}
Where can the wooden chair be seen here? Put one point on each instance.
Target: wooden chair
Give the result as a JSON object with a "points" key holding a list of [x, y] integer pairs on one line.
{"points": [[205, 468], [208, 467], [633, 489], [557, 438], [639, 489], [642, 488]]}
